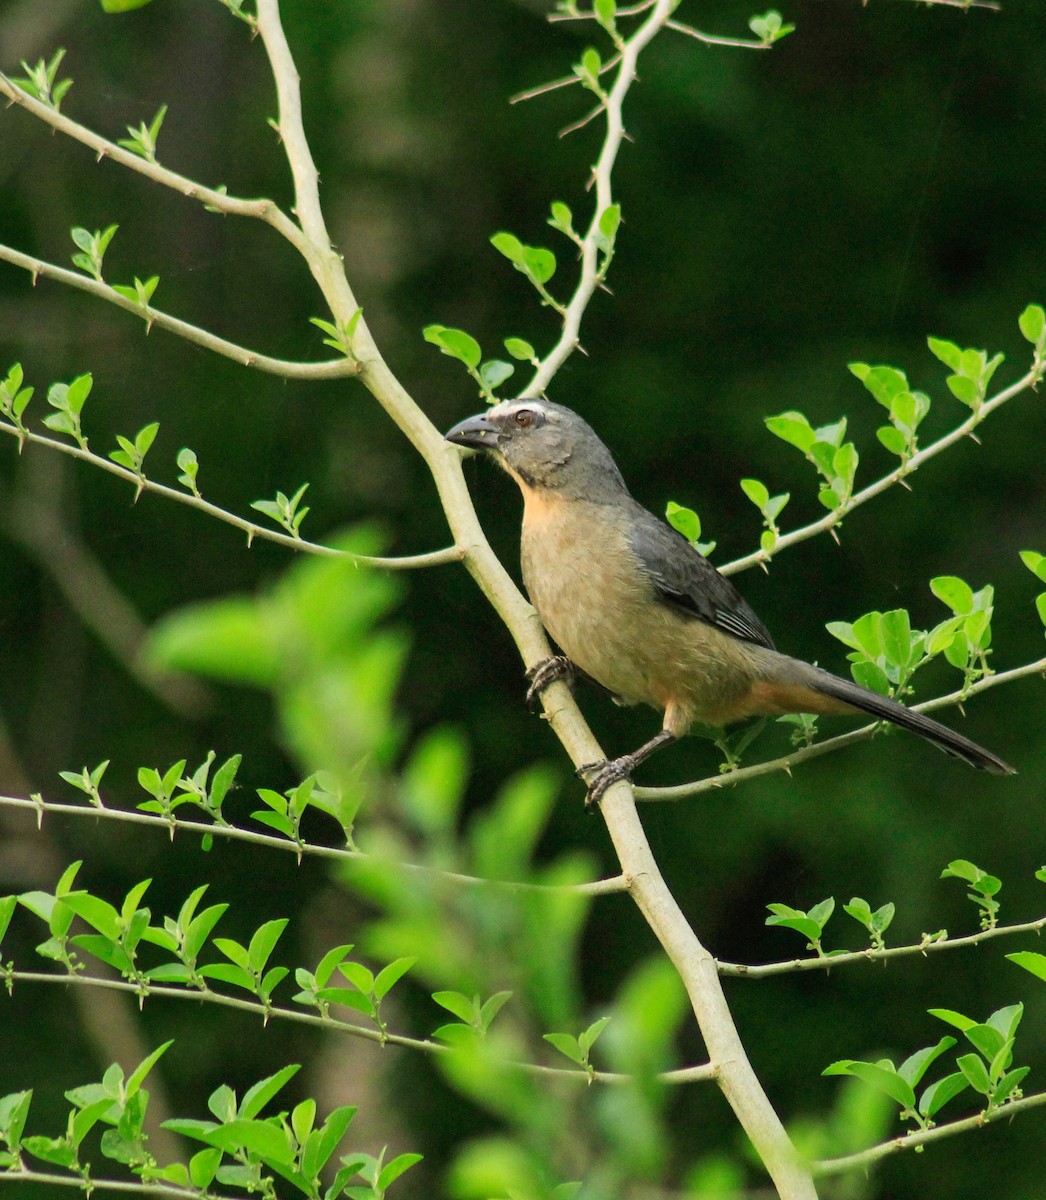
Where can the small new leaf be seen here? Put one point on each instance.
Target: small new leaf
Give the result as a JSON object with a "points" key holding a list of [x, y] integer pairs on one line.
{"points": [[142, 140], [42, 82], [285, 511]]}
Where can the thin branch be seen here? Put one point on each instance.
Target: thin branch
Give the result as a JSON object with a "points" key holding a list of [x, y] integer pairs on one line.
{"points": [[338, 368], [897, 475], [89, 1185], [291, 125], [171, 825], [262, 210], [827, 962], [630, 10], [323, 261], [989, 4], [787, 761], [695, 1074], [554, 85], [590, 244], [433, 558], [711, 39], [924, 1137]]}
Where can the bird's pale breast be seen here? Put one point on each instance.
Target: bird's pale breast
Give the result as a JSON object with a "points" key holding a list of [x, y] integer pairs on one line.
{"points": [[601, 609]]}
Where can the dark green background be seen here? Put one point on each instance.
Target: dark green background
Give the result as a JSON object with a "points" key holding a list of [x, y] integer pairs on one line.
{"points": [[877, 178]]}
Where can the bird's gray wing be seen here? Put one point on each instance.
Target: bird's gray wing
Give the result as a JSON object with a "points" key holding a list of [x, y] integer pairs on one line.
{"points": [[686, 581]]}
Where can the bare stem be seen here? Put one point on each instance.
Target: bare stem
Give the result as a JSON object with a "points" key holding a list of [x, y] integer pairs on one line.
{"points": [[711, 39]]}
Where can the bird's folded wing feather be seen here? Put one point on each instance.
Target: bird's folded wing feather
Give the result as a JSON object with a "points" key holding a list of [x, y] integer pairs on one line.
{"points": [[685, 580]]}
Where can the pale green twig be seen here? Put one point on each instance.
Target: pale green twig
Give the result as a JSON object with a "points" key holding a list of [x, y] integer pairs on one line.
{"points": [[268, 1012], [337, 368], [828, 962], [899, 473], [912, 1141], [263, 210], [407, 562], [171, 825]]}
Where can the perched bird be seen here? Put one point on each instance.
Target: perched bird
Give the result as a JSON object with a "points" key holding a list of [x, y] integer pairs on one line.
{"points": [[633, 605]]}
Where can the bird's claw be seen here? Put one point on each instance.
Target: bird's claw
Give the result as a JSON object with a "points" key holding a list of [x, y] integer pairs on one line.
{"points": [[545, 673], [604, 775]]}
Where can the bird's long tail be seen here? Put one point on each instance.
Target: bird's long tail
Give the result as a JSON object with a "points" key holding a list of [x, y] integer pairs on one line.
{"points": [[890, 710]]}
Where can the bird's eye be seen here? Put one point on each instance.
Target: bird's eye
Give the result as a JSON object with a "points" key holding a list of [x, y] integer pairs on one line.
{"points": [[524, 418]]}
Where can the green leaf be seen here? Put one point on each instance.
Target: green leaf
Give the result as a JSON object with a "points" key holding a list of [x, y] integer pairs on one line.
{"points": [[495, 371], [976, 1073], [120, 6], [684, 521], [458, 1004], [954, 592], [393, 1170], [257, 1096], [1032, 324], [7, 908], [1031, 961], [793, 427], [264, 942], [358, 975], [269, 1141], [938, 1094], [1035, 562], [137, 1076], [915, 1065], [520, 349], [390, 975], [455, 343], [952, 1018], [324, 1141], [947, 352], [568, 1045], [587, 1039], [98, 913], [756, 492], [491, 1007], [880, 1075]]}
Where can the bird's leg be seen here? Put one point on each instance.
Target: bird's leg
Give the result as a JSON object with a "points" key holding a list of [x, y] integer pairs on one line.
{"points": [[610, 770], [546, 673]]}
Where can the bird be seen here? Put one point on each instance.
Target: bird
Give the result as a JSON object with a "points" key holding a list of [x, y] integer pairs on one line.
{"points": [[633, 605]]}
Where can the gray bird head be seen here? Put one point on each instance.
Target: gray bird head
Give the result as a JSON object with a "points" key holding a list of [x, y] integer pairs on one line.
{"points": [[544, 445]]}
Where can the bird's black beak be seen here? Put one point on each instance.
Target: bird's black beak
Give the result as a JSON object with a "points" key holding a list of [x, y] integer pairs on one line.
{"points": [[477, 433]]}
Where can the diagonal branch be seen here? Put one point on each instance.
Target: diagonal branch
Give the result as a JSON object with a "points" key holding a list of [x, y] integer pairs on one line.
{"points": [[829, 961], [338, 368], [142, 484], [263, 210], [787, 761], [897, 475], [924, 1137]]}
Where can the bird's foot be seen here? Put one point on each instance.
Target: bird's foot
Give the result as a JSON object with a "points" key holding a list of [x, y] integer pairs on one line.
{"points": [[604, 775], [546, 673]]}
